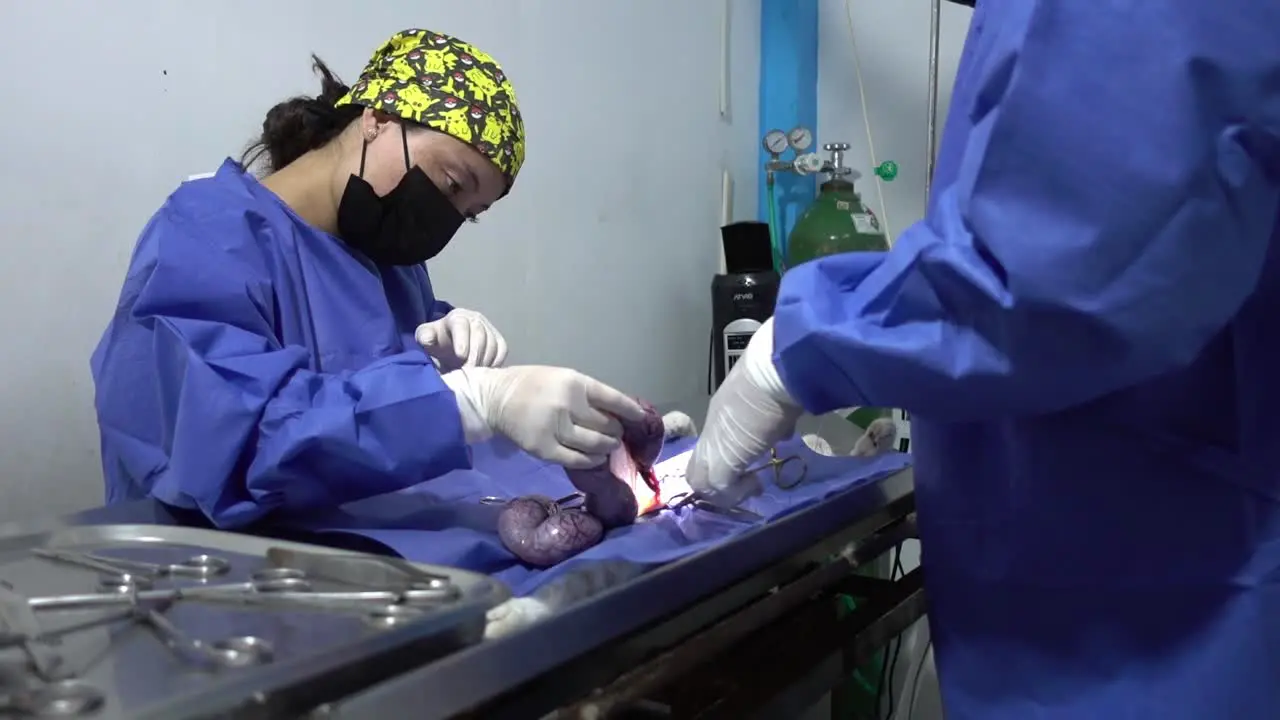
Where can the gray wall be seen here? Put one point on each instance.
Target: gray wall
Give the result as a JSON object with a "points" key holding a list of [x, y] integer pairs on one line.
{"points": [[600, 260]]}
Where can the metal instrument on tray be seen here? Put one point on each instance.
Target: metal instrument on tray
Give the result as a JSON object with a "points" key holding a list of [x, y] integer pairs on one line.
{"points": [[266, 588], [196, 566], [165, 622], [230, 652], [21, 621], [60, 699], [412, 582]]}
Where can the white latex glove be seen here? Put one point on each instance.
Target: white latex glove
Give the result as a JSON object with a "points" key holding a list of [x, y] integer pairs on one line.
{"points": [[749, 414], [462, 338], [556, 414]]}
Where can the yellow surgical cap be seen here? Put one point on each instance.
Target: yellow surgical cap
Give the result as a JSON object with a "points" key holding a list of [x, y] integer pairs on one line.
{"points": [[447, 85]]}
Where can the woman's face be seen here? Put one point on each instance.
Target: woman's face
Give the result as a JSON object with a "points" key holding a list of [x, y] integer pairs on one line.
{"points": [[470, 180]]}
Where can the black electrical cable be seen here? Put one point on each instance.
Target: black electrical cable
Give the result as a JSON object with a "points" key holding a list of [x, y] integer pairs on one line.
{"points": [[915, 680], [897, 572], [885, 682], [884, 672]]}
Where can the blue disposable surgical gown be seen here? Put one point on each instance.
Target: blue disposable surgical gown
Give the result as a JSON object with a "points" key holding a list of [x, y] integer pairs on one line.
{"points": [[255, 363], [1086, 330]]}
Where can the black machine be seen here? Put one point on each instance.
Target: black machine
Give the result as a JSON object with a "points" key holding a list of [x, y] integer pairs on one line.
{"points": [[742, 298]]}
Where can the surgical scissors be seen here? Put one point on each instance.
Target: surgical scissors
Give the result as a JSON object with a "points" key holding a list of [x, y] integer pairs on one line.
{"points": [[58, 699], [196, 566], [373, 573], [289, 586], [266, 580], [274, 585], [778, 464], [232, 652]]}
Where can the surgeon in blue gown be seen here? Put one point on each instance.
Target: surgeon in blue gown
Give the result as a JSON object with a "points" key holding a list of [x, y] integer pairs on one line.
{"points": [[275, 345], [1085, 329]]}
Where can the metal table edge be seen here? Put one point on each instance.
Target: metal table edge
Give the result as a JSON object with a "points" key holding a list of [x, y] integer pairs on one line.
{"points": [[475, 676]]}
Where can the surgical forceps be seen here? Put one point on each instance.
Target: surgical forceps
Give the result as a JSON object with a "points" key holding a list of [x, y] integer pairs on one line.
{"points": [[778, 463], [566, 501], [697, 502], [272, 586], [59, 699], [196, 566], [268, 586]]}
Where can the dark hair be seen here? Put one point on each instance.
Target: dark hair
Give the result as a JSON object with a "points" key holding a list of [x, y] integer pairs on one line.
{"points": [[302, 124]]}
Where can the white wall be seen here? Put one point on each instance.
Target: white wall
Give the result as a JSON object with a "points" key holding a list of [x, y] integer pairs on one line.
{"points": [[893, 47], [600, 259]]}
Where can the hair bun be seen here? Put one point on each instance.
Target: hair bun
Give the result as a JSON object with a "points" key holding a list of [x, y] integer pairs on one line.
{"points": [[299, 125], [331, 89]]}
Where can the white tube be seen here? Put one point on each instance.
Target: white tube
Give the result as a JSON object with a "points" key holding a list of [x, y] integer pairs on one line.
{"points": [[726, 197]]}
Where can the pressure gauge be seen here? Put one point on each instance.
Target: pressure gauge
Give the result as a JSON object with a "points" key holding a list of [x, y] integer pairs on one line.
{"points": [[800, 139], [775, 141]]}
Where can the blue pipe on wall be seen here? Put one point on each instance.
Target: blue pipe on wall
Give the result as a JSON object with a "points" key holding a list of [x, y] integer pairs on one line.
{"points": [[788, 96]]}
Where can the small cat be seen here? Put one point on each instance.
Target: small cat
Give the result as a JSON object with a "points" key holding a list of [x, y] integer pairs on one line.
{"points": [[879, 437], [590, 579]]}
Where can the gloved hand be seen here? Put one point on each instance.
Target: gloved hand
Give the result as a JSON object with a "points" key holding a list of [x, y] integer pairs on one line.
{"points": [[749, 414], [556, 414], [462, 338]]}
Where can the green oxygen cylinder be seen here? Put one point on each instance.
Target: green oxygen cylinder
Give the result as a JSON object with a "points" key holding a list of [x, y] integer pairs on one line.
{"points": [[838, 221]]}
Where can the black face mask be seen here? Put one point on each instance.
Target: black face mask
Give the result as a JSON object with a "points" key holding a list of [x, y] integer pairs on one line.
{"points": [[407, 226]]}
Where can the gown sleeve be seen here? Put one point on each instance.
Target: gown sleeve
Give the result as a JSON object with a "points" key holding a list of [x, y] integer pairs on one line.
{"points": [[1112, 210], [246, 427], [439, 309]]}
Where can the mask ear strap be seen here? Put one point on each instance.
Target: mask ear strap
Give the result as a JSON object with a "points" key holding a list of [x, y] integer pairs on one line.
{"points": [[404, 135], [364, 148]]}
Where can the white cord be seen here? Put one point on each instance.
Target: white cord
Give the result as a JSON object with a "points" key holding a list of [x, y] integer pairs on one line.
{"points": [[866, 120]]}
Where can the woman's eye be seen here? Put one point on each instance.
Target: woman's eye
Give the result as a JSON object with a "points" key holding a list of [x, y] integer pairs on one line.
{"points": [[454, 187]]}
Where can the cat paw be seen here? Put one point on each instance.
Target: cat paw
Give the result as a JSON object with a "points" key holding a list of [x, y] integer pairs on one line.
{"points": [[514, 615], [818, 444], [878, 438], [678, 425]]}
